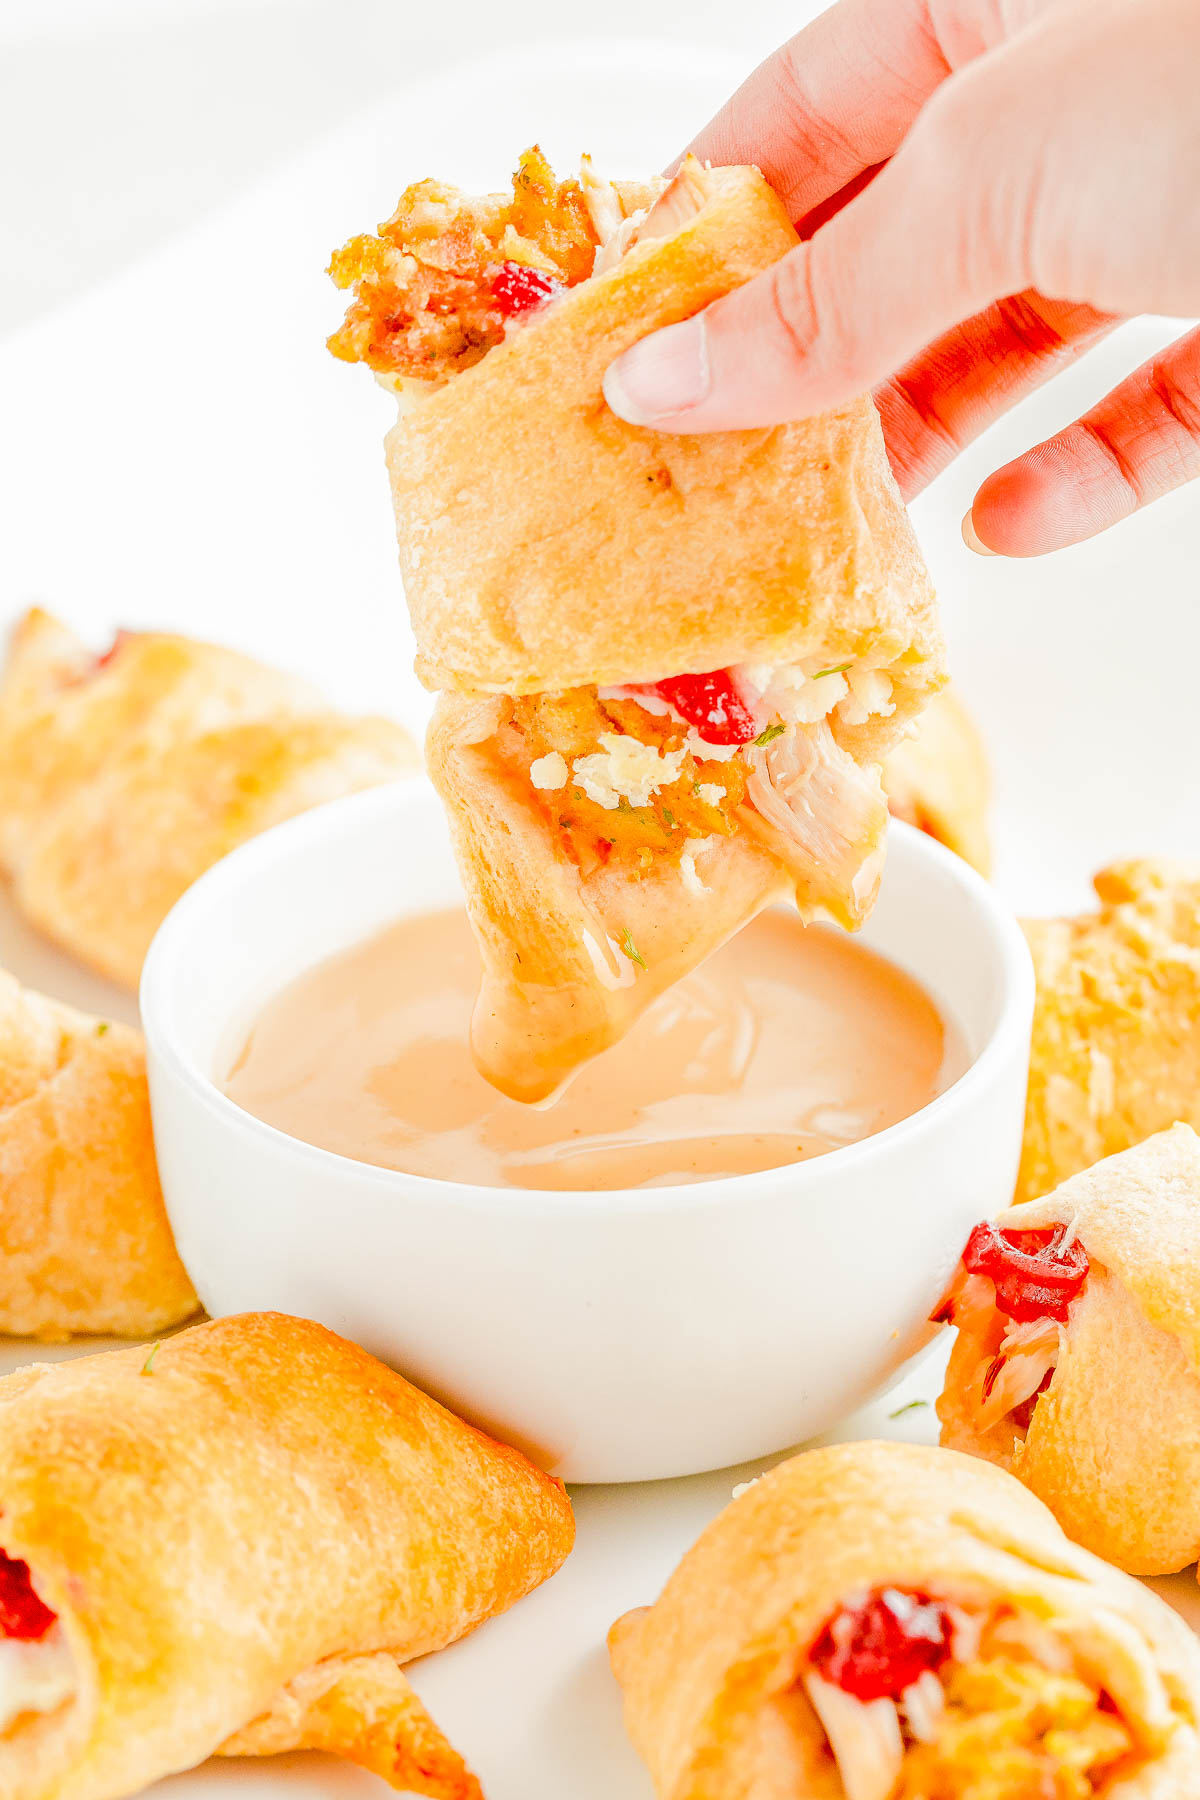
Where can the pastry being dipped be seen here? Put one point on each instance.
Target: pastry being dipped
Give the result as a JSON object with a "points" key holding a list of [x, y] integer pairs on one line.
{"points": [[1116, 1029], [669, 667], [231, 1544], [890, 1622], [1077, 1361], [85, 1244], [124, 776]]}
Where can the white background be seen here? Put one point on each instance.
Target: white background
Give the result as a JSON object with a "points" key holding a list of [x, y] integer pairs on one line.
{"points": [[176, 448]]}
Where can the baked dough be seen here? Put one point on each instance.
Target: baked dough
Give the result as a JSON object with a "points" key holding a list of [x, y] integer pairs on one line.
{"points": [[84, 1241], [1116, 1030], [1113, 1444], [123, 778], [717, 1674], [939, 781], [551, 550], [244, 1535]]}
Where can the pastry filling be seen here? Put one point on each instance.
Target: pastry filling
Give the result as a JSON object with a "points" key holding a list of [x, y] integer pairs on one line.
{"points": [[1011, 1296], [924, 1699], [674, 766], [37, 1671]]}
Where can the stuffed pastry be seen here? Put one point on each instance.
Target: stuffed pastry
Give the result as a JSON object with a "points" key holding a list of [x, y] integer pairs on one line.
{"points": [[670, 667], [891, 1622], [938, 780], [231, 1543], [84, 1241], [1077, 1361], [124, 776], [1116, 1028]]}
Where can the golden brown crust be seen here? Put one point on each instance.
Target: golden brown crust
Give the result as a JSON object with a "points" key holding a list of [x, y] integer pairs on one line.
{"points": [[626, 555], [1116, 1033], [939, 780], [710, 1671], [218, 1530], [86, 1246], [1113, 1445], [121, 783]]}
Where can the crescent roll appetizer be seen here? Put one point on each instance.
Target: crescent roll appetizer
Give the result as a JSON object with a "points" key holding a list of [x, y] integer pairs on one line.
{"points": [[1116, 1029], [124, 776], [670, 667], [890, 1622], [1077, 1361], [84, 1241], [938, 780], [231, 1544]]}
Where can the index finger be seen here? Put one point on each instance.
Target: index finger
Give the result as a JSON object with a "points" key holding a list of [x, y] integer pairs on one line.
{"points": [[833, 102]]}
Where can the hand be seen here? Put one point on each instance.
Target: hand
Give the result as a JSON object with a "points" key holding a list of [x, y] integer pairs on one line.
{"points": [[985, 187]]}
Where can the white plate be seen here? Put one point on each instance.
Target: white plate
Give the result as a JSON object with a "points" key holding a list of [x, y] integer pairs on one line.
{"points": [[178, 449]]}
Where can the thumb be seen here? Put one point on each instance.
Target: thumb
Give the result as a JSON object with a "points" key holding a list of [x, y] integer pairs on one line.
{"points": [[919, 250]]}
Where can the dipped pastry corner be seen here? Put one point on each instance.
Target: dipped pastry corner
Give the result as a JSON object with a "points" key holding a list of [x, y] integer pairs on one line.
{"points": [[124, 776], [1077, 1360], [938, 780], [87, 1246], [1116, 1029], [232, 1544], [670, 667], [890, 1622]]}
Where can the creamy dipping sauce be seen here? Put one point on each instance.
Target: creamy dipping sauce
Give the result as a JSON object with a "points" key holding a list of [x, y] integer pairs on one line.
{"points": [[789, 1042]]}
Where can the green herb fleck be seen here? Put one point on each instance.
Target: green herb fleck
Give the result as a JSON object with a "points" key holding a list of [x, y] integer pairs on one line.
{"points": [[631, 950], [838, 669], [623, 804], [668, 818], [913, 1406], [148, 1365], [102, 1028], [769, 735], [579, 793]]}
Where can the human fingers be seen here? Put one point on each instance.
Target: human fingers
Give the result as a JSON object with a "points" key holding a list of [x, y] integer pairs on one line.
{"points": [[1141, 442]]}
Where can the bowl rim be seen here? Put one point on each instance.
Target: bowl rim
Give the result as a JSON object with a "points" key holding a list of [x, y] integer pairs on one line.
{"points": [[1008, 1035]]}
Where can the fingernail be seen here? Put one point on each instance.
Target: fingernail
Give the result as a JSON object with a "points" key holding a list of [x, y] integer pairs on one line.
{"points": [[666, 374], [972, 539]]}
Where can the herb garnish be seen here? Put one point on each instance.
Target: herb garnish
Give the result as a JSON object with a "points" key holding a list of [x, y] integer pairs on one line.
{"points": [[769, 735], [102, 1028], [913, 1406], [839, 669], [668, 818], [631, 950], [148, 1365]]}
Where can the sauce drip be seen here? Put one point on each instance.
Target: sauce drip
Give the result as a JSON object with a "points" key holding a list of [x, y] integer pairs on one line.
{"points": [[789, 1042]]}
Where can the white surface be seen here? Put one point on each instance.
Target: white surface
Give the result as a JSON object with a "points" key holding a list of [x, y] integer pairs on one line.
{"points": [[177, 449], [670, 1311]]}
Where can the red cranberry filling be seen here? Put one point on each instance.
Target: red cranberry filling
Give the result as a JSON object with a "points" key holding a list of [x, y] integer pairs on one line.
{"points": [[712, 704], [22, 1614], [518, 289], [876, 1650], [1036, 1276]]}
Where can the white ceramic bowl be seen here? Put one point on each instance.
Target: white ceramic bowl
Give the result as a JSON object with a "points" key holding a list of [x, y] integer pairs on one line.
{"points": [[615, 1336]]}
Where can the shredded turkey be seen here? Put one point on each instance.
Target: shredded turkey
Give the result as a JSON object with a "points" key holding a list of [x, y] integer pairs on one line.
{"points": [[865, 1737], [821, 808]]}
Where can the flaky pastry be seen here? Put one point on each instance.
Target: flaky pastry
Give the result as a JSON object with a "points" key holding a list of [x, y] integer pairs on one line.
{"points": [[85, 1245], [1116, 1028], [670, 666], [232, 1543], [890, 1622], [124, 776], [938, 780], [1077, 1361]]}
